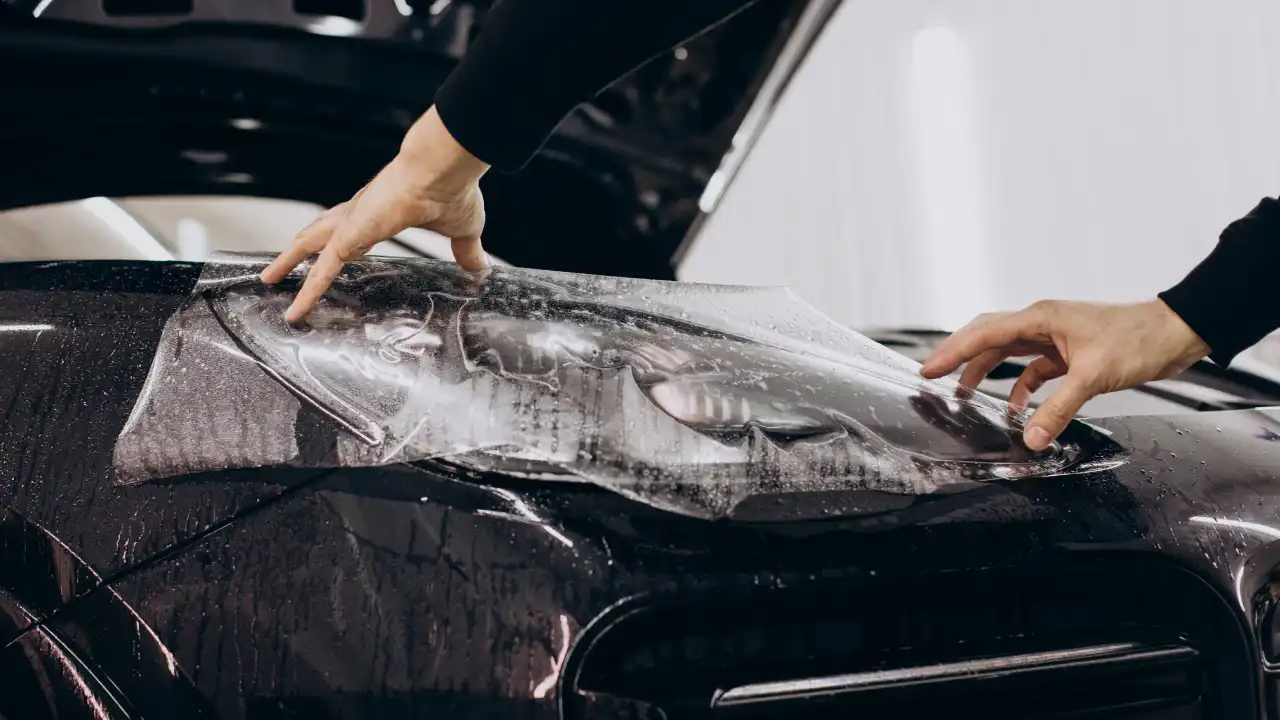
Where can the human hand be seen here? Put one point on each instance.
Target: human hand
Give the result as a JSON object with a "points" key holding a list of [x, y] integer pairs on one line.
{"points": [[1099, 348], [433, 183]]}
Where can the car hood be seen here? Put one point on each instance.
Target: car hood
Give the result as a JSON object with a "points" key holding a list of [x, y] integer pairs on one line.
{"points": [[1193, 494], [224, 104], [691, 398], [697, 357]]}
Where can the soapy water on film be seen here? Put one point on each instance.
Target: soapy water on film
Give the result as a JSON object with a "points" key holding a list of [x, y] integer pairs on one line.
{"points": [[687, 397]]}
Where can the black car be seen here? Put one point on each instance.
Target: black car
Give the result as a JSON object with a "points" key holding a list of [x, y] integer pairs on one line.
{"points": [[250, 562]]}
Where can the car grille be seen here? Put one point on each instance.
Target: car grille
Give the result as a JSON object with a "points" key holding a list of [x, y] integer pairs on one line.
{"points": [[1082, 643]]}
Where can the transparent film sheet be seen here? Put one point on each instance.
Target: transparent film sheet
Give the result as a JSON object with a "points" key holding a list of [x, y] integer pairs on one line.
{"points": [[687, 397]]}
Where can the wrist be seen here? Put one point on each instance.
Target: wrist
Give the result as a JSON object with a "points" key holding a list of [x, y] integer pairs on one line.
{"points": [[437, 157], [1186, 346]]}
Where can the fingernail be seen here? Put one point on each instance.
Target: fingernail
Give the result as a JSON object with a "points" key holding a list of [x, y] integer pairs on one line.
{"points": [[1037, 438]]}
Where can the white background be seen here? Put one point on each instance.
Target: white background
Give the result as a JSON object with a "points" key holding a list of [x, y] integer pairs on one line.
{"points": [[933, 160]]}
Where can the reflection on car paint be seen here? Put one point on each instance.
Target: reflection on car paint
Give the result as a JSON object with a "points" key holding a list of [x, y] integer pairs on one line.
{"points": [[650, 389], [384, 592]]}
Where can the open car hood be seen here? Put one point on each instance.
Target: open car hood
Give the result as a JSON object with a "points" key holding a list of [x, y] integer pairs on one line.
{"points": [[183, 97], [690, 398]]}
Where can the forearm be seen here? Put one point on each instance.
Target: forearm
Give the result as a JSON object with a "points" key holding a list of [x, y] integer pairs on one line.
{"points": [[1229, 299], [535, 60]]}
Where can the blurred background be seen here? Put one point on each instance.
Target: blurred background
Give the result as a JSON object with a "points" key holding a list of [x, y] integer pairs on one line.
{"points": [[921, 161], [934, 160], [186, 228]]}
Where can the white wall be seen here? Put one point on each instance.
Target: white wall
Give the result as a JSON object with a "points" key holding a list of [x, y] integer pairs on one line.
{"points": [[933, 160]]}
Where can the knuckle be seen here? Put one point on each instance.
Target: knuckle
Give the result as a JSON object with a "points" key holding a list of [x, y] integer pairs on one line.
{"points": [[1056, 414], [311, 239], [1030, 378], [1041, 313], [1029, 384], [1069, 397], [986, 318]]}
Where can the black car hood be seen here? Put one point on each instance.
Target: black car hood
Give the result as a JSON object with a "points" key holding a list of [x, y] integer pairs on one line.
{"points": [[445, 587], [546, 567], [102, 322], [691, 398]]}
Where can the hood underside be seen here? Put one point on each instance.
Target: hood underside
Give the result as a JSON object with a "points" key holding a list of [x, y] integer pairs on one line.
{"points": [[308, 100]]}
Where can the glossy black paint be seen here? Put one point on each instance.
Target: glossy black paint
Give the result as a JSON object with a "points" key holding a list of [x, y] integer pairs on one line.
{"points": [[428, 592]]}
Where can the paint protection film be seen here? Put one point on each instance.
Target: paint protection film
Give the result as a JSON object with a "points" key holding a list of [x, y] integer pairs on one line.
{"points": [[687, 397]]}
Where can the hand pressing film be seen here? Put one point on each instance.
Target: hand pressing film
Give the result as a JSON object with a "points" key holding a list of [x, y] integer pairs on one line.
{"points": [[1094, 348], [433, 183]]}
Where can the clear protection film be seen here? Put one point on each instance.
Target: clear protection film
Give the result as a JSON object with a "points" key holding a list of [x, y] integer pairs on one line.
{"points": [[687, 397]]}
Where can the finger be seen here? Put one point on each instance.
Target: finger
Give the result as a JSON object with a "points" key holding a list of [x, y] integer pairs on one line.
{"points": [[978, 368], [971, 341], [932, 366], [1051, 418], [309, 241], [319, 278], [1033, 377], [469, 253]]}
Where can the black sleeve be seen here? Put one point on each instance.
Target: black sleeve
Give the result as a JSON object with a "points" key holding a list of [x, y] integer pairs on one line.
{"points": [[1228, 299], [535, 60]]}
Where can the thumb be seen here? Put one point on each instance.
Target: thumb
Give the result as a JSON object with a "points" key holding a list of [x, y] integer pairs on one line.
{"points": [[469, 253], [1051, 418]]}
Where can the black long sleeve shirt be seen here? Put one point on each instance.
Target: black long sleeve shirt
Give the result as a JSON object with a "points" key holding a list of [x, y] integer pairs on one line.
{"points": [[1229, 299], [535, 60]]}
